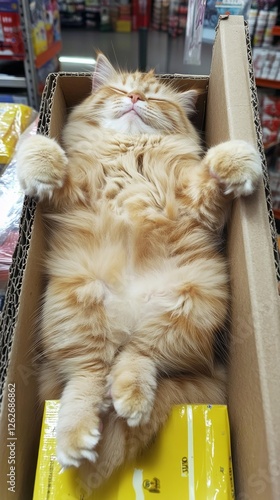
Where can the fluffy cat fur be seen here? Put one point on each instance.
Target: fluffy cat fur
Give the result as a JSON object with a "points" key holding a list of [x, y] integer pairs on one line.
{"points": [[137, 284]]}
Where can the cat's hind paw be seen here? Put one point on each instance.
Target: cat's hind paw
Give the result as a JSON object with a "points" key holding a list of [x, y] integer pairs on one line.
{"points": [[41, 166], [133, 394], [236, 165], [77, 443]]}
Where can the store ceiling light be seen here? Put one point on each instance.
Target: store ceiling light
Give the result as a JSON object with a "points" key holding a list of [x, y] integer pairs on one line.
{"points": [[77, 60]]}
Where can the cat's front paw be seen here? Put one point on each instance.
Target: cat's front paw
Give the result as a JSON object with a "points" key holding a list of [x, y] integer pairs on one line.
{"points": [[77, 439], [133, 395], [41, 166], [236, 165]]}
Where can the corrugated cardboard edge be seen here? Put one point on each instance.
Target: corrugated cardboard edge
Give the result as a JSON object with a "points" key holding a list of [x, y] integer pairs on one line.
{"points": [[9, 313], [258, 127], [10, 310], [254, 370], [25, 285]]}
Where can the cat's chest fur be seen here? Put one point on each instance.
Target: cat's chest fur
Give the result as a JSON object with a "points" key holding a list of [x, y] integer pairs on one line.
{"points": [[126, 242], [137, 181], [135, 211]]}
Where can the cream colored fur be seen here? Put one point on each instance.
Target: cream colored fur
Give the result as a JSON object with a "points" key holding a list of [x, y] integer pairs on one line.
{"points": [[138, 286]]}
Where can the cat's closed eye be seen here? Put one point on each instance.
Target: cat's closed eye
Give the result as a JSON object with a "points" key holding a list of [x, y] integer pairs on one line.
{"points": [[118, 91], [142, 97]]}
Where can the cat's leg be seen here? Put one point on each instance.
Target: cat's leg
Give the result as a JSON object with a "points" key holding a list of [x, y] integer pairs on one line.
{"points": [[122, 443], [79, 424], [50, 383], [228, 170], [76, 342], [133, 382], [41, 166], [195, 307], [236, 165]]}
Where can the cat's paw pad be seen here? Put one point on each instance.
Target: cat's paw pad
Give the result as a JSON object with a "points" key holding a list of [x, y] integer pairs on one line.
{"points": [[41, 166], [236, 165], [132, 399], [75, 444]]}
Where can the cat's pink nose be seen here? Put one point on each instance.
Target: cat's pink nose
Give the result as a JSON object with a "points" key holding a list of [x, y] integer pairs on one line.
{"points": [[135, 97]]}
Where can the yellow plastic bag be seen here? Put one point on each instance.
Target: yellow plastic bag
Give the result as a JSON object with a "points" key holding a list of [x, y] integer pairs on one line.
{"points": [[189, 460], [14, 118]]}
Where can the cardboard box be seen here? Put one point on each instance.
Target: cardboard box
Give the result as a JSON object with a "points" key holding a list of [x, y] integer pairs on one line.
{"points": [[227, 110], [190, 457]]}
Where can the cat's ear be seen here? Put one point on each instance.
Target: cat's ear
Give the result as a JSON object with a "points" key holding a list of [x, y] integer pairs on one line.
{"points": [[188, 101], [104, 71]]}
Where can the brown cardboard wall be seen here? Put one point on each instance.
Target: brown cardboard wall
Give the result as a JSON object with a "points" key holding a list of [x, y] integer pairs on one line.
{"points": [[22, 377], [255, 342]]}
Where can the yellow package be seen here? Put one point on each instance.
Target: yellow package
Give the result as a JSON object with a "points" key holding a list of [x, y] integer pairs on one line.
{"points": [[123, 26], [189, 460], [14, 119], [39, 38]]}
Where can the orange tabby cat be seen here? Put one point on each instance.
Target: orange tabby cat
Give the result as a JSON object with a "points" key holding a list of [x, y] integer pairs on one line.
{"points": [[137, 283]]}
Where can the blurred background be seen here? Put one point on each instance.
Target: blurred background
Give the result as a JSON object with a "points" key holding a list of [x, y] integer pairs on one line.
{"points": [[41, 36], [173, 36]]}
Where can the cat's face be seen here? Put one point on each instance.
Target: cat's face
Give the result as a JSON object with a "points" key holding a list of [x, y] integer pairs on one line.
{"points": [[133, 103]]}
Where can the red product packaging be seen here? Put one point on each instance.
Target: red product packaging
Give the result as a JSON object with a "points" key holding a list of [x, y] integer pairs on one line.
{"points": [[272, 123], [271, 106], [11, 42], [141, 14]]}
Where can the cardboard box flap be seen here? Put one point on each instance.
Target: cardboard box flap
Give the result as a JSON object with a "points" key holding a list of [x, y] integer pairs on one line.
{"points": [[65, 91], [239, 102], [255, 341]]}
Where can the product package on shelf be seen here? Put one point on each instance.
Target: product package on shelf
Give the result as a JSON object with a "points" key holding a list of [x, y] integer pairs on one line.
{"points": [[267, 63], [45, 24], [190, 458], [103, 14], [270, 119], [162, 15], [170, 15], [11, 195], [123, 23], [45, 27], [72, 13], [177, 17], [274, 177], [261, 23], [14, 98], [141, 13], [49, 67], [11, 41], [266, 56], [216, 8], [105, 19]]}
